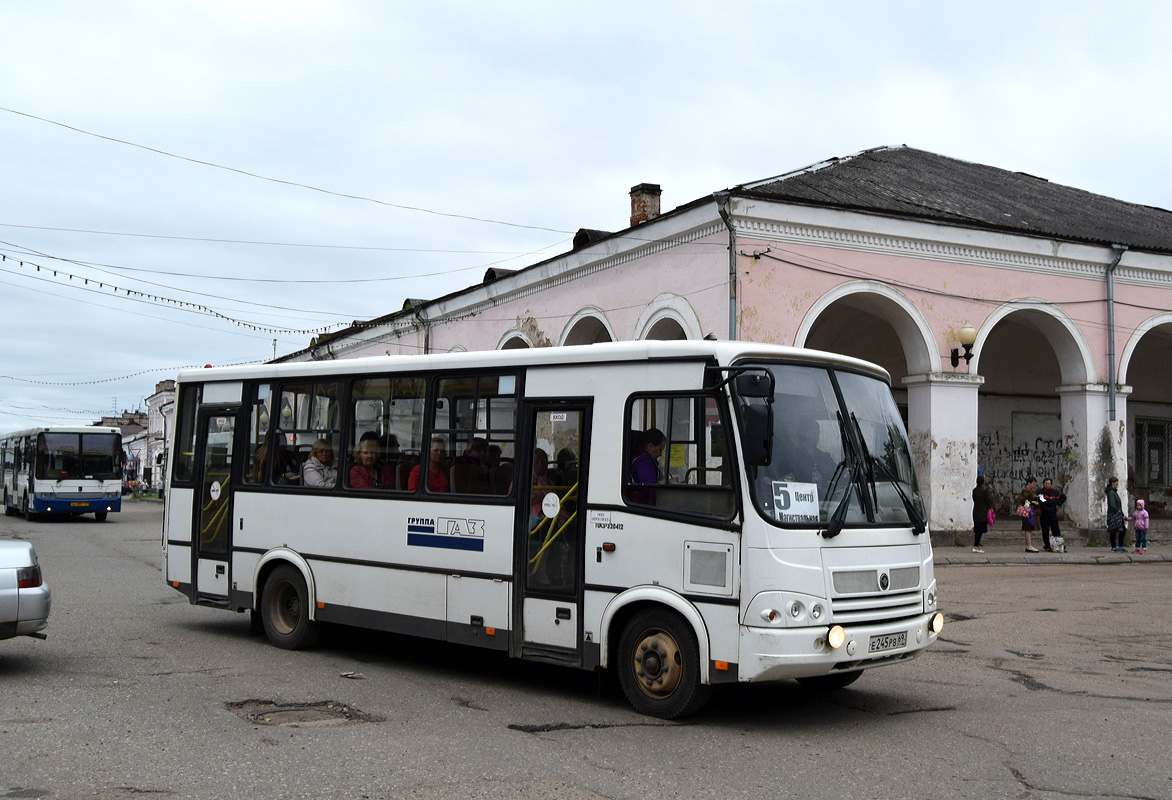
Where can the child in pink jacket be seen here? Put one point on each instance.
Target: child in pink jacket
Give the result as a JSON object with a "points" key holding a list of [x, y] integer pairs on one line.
{"points": [[1140, 517]]}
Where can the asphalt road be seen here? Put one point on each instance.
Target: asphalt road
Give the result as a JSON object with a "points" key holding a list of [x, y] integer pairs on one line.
{"points": [[1048, 681]]}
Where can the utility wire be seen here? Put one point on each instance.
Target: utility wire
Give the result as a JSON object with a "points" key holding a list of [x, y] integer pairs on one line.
{"points": [[281, 181]]}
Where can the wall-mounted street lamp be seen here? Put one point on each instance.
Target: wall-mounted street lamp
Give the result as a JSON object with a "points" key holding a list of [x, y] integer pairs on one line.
{"points": [[968, 337]]}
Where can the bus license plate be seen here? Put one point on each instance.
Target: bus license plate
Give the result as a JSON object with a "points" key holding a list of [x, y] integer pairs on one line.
{"points": [[891, 641], [83, 505]]}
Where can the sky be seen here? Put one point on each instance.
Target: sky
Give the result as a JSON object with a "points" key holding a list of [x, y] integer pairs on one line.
{"points": [[215, 182]]}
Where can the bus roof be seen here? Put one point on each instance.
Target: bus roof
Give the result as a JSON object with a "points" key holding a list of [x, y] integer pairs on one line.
{"points": [[723, 353], [62, 429]]}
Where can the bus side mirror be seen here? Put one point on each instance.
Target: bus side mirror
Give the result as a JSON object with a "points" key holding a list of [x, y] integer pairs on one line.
{"points": [[757, 434], [754, 384]]}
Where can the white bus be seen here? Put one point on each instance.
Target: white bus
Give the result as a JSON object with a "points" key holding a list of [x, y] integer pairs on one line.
{"points": [[62, 469], [684, 513]]}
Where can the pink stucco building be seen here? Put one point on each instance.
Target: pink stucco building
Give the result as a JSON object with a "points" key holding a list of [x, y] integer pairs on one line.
{"points": [[884, 255]]}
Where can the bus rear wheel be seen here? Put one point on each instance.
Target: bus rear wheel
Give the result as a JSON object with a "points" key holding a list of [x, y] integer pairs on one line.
{"points": [[828, 683], [659, 665], [284, 606], [100, 516]]}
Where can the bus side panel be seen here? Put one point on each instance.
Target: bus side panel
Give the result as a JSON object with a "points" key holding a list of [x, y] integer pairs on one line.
{"points": [[400, 532], [177, 532], [417, 600]]}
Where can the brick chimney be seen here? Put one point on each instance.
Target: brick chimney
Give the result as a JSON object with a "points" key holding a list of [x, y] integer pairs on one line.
{"points": [[644, 202]]}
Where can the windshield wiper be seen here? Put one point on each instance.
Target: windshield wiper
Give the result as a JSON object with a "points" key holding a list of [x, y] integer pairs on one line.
{"points": [[918, 524], [835, 524]]}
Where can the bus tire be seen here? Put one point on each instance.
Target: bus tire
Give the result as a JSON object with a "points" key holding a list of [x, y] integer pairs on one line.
{"points": [[284, 606], [26, 509], [100, 516], [830, 683], [9, 509], [659, 665]]}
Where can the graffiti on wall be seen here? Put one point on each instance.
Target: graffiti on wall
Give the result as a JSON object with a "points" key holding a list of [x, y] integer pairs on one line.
{"points": [[1031, 446]]}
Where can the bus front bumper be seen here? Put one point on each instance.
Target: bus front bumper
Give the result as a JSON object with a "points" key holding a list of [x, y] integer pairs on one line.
{"points": [[771, 654], [65, 505]]}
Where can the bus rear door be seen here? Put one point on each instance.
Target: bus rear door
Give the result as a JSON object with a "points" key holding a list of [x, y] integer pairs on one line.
{"points": [[550, 532], [212, 514]]}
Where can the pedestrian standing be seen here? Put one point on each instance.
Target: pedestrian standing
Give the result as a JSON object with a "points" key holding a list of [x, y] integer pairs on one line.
{"points": [[1141, 520], [982, 511], [1049, 501], [1027, 503], [1116, 527]]}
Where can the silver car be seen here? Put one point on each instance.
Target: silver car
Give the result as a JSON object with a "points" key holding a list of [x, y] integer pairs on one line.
{"points": [[24, 597]]}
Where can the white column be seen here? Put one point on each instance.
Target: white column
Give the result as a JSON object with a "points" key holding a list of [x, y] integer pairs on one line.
{"points": [[1095, 449], [942, 426]]}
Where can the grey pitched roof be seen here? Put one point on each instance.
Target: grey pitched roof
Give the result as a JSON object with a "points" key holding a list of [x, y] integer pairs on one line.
{"points": [[905, 182]]}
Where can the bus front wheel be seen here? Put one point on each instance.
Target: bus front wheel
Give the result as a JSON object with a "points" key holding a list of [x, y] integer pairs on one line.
{"points": [[285, 609], [659, 665], [9, 509], [26, 509], [100, 516]]}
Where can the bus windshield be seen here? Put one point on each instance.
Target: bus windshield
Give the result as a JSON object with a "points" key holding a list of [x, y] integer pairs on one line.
{"points": [[66, 456], [839, 448]]}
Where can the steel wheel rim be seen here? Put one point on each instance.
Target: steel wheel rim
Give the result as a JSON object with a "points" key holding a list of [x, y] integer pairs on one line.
{"points": [[658, 664], [286, 608]]}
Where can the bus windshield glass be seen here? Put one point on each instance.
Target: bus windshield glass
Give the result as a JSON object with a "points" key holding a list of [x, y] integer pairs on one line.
{"points": [[66, 456], [839, 448]]}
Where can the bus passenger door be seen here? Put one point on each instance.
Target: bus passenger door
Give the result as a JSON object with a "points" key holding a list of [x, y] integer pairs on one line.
{"points": [[213, 511], [550, 531]]}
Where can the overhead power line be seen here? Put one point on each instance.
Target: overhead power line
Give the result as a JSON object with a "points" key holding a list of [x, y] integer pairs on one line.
{"points": [[282, 181]]}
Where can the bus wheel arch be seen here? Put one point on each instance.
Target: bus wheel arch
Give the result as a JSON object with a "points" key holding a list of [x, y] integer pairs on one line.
{"points": [[285, 600], [286, 609], [623, 607]]}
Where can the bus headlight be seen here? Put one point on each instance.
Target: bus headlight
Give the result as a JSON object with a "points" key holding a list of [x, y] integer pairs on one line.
{"points": [[836, 636], [816, 611], [937, 623], [795, 609]]}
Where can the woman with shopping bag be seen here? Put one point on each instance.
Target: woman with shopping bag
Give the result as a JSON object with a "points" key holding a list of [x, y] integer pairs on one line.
{"points": [[1027, 509]]}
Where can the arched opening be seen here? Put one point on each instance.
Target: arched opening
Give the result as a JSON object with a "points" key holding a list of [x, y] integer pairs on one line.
{"points": [[587, 327], [515, 343], [666, 329], [1149, 414], [1025, 352]]}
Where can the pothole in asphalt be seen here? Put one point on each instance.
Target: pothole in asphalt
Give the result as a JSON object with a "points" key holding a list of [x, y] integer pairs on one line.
{"points": [[323, 714]]}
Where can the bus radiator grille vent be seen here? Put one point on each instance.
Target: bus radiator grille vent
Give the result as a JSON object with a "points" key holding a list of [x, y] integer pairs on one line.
{"points": [[904, 578], [869, 581], [708, 568], [859, 582]]}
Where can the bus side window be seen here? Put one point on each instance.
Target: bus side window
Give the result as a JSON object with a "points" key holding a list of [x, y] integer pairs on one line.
{"points": [[184, 456], [260, 441], [477, 415], [309, 415], [677, 456]]}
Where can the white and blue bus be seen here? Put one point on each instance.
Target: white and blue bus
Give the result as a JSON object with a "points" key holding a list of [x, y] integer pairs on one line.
{"points": [[62, 469], [684, 513]]}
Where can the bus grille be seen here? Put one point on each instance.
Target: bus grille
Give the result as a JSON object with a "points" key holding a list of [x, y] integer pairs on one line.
{"points": [[866, 581], [891, 605]]}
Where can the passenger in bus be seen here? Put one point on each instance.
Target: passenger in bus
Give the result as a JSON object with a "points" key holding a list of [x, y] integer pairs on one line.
{"points": [[319, 471], [388, 445], [284, 465], [437, 471], [475, 453], [644, 467], [806, 462], [367, 472]]}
